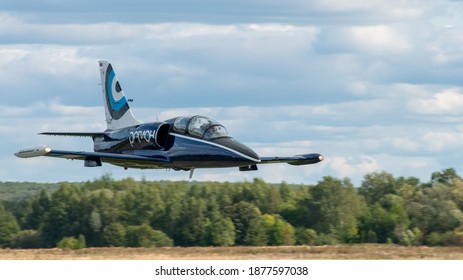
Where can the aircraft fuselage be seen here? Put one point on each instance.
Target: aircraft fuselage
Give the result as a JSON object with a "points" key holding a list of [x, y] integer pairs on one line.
{"points": [[158, 140]]}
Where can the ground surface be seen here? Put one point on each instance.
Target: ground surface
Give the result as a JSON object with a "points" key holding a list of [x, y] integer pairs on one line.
{"points": [[337, 252]]}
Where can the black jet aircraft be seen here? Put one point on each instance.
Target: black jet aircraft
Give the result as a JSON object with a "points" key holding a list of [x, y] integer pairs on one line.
{"points": [[182, 143]]}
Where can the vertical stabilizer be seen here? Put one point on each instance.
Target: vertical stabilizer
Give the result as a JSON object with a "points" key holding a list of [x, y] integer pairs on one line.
{"points": [[118, 113]]}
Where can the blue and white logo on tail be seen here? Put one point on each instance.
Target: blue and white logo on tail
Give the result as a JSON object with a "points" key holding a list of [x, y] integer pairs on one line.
{"points": [[118, 113]]}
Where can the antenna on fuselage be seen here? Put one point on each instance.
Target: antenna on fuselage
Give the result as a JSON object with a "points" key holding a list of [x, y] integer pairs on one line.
{"points": [[191, 172]]}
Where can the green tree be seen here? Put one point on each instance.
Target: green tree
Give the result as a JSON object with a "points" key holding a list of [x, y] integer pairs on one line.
{"points": [[288, 235], [457, 193], [96, 227], [384, 223], [145, 236], [27, 239], [255, 234], [8, 227], [376, 185], [366, 229], [81, 241], [286, 194], [35, 211], [114, 235], [446, 176], [142, 204], [72, 243], [173, 195], [279, 232], [305, 236], [453, 238], [194, 223], [333, 208], [222, 232], [65, 216], [246, 218], [434, 209], [434, 239]]}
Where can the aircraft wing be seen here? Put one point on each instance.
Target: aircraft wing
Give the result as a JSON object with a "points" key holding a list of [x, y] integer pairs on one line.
{"points": [[294, 160], [103, 156], [74, 134], [95, 158]]}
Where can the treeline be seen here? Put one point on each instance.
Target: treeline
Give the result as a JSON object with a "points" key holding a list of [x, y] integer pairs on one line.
{"points": [[129, 213]]}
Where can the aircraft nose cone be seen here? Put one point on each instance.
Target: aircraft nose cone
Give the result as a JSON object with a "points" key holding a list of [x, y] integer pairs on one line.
{"points": [[239, 148], [249, 152]]}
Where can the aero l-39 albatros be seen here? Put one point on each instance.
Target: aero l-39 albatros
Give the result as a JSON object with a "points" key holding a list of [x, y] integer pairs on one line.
{"points": [[181, 143]]}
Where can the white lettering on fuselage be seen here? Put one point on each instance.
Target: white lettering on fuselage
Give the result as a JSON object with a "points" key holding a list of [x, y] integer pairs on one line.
{"points": [[142, 135]]}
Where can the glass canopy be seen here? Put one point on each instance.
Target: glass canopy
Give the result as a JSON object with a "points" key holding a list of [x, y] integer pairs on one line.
{"points": [[200, 127]]}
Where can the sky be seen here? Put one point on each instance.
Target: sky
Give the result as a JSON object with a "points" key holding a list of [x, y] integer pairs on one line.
{"points": [[373, 85]]}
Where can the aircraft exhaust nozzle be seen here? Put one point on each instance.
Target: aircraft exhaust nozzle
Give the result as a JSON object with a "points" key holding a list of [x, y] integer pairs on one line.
{"points": [[35, 151]]}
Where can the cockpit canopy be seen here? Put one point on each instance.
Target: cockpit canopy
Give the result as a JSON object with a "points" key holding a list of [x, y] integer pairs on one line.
{"points": [[200, 127]]}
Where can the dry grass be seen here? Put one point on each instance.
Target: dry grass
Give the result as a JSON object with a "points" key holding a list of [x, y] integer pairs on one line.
{"points": [[338, 252]]}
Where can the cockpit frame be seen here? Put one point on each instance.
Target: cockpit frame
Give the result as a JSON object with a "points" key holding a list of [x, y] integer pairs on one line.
{"points": [[200, 127]]}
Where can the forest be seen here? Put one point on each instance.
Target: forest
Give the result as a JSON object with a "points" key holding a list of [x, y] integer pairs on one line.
{"points": [[127, 213]]}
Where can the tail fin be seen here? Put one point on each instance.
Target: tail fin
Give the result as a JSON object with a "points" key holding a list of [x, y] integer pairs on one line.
{"points": [[118, 113]]}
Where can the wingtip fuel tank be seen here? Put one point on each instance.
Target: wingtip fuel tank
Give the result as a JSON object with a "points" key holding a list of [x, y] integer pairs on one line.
{"points": [[35, 151]]}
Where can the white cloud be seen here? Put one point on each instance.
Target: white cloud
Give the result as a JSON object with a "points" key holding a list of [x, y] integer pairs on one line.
{"points": [[76, 111], [379, 39], [447, 46], [448, 101], [366, 40], [352, 167], [392, 10], [15, 111], [441, 141]]}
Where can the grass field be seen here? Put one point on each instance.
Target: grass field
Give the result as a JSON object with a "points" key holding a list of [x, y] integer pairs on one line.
{"points": [[337, 252]]}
